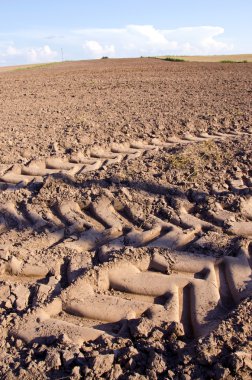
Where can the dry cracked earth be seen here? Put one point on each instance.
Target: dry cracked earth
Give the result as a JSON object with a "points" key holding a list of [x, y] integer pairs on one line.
{"points": [[126, 221]]}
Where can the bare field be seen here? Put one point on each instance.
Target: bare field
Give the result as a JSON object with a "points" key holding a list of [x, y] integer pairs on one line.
{"points": [[126, 220]]}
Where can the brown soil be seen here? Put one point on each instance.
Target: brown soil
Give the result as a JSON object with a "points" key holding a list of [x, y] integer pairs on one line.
{"points": [[126, 221]]}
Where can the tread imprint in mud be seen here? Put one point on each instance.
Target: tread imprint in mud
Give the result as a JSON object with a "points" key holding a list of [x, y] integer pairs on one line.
{"points": [[194, 290], [34, 171], [106, 226], [197, 293]]}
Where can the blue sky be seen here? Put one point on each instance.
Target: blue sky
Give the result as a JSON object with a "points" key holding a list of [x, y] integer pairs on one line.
{"points": [[34, 31]]}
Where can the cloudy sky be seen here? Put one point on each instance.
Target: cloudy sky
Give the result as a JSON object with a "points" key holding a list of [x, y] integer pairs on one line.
{"points": [[34, 31]]}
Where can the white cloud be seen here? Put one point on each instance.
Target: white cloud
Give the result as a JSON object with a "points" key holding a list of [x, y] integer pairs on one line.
{"points": [[41, 54], [149, 33], [11, 51], [97, 50], [199, 40], [10, 54], [135, 40]]}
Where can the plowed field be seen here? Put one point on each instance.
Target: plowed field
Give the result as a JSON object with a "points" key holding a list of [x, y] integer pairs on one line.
{"points": [[126, 220]]}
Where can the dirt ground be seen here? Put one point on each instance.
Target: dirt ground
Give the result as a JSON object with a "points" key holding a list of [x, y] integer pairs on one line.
{"points": [[126, 220]]}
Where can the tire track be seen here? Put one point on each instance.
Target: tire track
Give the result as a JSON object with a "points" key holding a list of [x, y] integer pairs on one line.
{"points": [[36, 170], [179, 287], [107, 223]]}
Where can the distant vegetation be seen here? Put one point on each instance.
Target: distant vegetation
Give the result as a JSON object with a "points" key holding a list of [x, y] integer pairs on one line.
{"points": [[28, 67], [230, 61], [104, 57], [34, 66], [173, 59], [240, 58]]}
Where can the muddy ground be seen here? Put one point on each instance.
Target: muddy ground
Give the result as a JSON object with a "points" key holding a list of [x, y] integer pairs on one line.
{"points": [[126, 220]]}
